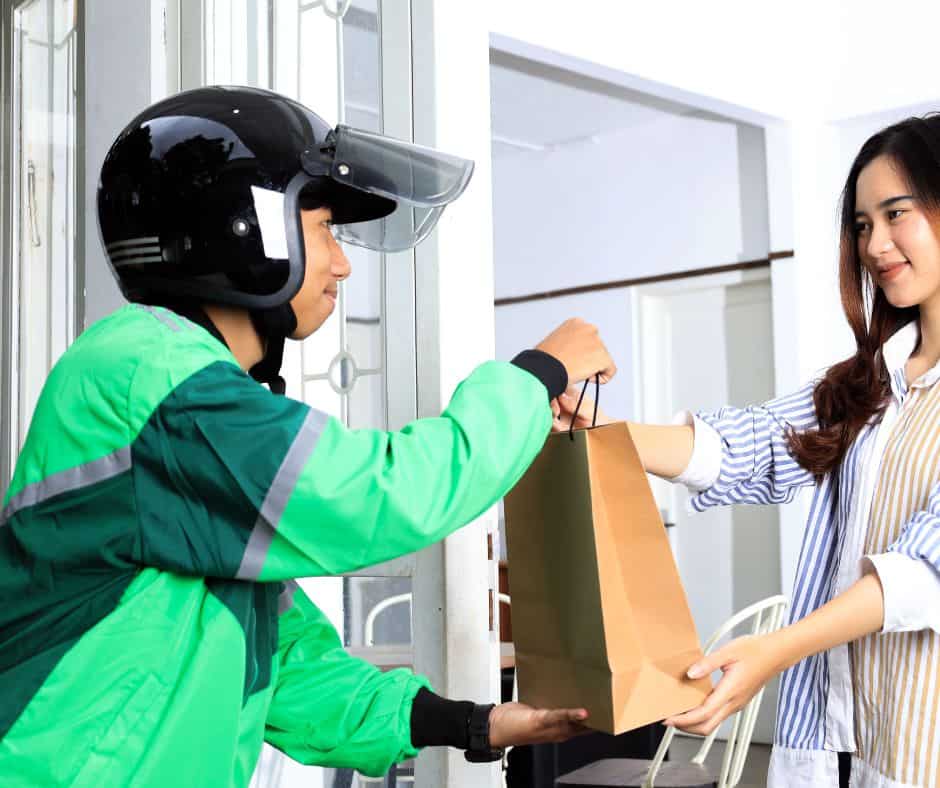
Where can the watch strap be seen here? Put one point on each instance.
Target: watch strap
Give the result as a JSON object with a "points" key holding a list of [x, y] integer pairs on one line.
{"points": [[479, 749]]}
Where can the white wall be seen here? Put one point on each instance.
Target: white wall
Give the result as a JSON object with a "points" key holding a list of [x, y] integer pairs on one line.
{"points": [[687, 45], [521, 326], [671, 194], [870, 46], [852, 132], [831, 60], [662, 196]]}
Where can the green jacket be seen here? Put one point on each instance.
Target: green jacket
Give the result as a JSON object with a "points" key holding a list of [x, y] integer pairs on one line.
{"points": [[150, 631]]}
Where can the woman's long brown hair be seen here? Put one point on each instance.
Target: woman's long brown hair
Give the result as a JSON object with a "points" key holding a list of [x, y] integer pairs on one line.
{"points": [[855, 392]]}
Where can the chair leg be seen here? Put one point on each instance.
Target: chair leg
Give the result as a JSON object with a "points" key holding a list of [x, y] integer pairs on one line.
{"points": [[658, 758], [750, 720], [726, 761]]}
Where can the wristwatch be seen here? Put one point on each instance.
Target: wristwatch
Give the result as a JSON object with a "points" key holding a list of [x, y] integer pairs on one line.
{"points": [[478, 736]]}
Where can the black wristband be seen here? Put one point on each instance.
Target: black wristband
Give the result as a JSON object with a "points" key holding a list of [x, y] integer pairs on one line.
{"points": [[439, 722], [548, 369]]}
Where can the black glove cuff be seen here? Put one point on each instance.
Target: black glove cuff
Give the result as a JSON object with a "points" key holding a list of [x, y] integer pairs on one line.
{"points": [[548, 369], [439, 722]]}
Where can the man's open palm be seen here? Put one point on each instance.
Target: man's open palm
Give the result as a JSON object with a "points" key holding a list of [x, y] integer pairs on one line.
{"points": [[512, 724]]}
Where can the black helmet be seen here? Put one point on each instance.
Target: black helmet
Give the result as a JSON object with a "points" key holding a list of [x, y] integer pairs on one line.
{"points": [[200, 197]]}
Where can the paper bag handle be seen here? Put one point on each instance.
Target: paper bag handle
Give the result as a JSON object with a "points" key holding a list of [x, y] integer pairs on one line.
{"points": [[597, 396]]}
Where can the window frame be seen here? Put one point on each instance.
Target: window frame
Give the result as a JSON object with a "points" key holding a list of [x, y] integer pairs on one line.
{"points": [[11, 330]]}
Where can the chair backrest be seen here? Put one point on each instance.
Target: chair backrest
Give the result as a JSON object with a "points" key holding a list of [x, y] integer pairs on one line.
{"points": [[368, 634], [764, 617]]}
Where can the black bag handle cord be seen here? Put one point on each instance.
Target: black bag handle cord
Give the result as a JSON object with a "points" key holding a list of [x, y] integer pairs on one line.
{"points": [[597, 396]]}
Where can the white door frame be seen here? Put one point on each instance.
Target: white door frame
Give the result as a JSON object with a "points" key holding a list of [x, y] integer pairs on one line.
{"points": [[456, 331]]}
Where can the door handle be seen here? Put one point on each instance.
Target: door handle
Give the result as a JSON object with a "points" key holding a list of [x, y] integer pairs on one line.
{"points": [[32, 214]]}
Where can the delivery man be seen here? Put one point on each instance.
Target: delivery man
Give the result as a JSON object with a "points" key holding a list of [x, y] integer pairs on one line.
{"points": [[151, 632]]}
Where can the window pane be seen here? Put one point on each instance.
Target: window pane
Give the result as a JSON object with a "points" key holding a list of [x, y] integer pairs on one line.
{"points": [[45, 106], [237, 42], [320, 394], [368, 612], [362, 75]]}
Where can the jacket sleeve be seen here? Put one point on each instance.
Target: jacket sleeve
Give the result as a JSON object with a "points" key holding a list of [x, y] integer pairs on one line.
{"points": [[910, 572], [751, 461], [332, 709], [232, 481]]}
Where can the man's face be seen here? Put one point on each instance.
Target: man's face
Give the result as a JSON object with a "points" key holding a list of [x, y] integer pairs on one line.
{"points": [[326, 267]]}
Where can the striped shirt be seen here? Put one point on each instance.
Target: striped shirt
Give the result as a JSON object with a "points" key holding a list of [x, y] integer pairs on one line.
{"points": [[878, 698]]}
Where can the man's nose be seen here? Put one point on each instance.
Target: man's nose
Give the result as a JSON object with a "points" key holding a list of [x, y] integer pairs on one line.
{"points": [[340, 263]]}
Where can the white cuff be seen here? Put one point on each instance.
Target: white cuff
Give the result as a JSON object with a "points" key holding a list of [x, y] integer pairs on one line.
{"points": [[911, 591], [705, 463]]}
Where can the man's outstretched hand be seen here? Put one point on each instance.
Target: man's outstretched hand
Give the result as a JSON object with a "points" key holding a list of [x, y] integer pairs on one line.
{"points": [[513, 724]]}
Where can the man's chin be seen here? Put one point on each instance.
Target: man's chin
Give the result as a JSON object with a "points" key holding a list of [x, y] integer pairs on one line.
{"points": [[310, 326]]}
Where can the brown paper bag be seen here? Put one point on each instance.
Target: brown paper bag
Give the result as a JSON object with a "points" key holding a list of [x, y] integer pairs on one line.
{"points": [[599, 616]]}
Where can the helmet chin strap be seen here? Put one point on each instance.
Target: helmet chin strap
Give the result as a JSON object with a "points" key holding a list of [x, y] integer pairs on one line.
{"points": [[273, 325]]}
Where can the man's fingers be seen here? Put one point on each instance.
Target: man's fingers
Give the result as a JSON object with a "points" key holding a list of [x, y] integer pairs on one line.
{"points": [[568, 401], [553, 717], [560, 724]]}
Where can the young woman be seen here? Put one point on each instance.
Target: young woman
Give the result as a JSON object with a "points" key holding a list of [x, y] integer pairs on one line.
{"points": [[860, 693], [151, 632]]}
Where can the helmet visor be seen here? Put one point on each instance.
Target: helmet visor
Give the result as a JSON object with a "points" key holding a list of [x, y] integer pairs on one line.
{"points": [[401, 230], [421, 181]]}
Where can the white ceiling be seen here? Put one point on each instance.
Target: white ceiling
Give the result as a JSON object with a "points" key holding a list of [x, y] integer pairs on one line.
{"points": [[535, 107]]}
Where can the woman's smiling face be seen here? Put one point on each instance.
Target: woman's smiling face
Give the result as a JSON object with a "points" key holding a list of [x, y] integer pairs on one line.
{"points": [[896, 240]]}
